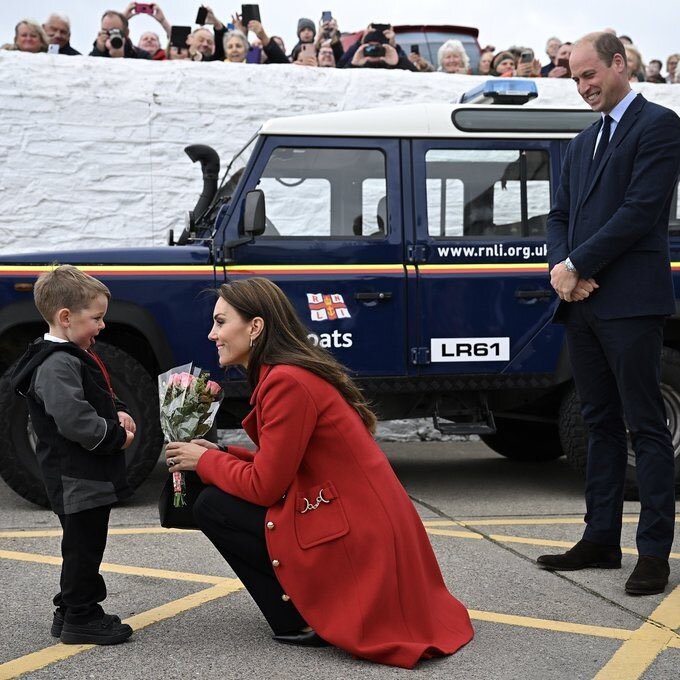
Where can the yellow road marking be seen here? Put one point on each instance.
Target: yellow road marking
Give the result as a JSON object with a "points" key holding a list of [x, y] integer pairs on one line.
{"points": [[59, 652], [502, 538], [551, 624], [636, 654], [628, 519], [116, 568]]}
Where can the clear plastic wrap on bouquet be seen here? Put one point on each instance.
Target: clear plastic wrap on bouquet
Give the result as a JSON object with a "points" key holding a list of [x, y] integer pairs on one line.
{"points": [[188, 405]]}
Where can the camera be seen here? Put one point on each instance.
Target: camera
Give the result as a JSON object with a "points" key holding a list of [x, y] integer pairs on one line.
{"points": [[374, 50], [116, 38]]}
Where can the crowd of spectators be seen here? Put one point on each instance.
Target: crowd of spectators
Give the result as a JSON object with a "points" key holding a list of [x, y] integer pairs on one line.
{"points": [[243, 39]]}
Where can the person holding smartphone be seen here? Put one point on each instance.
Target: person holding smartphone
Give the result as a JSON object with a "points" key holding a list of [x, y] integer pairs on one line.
{"points": [[57, 27], [306, 32], [561, 68], [421, 64], [329, 34], [238, 49]]}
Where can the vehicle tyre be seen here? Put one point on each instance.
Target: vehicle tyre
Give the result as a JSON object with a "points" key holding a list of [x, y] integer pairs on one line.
{"points": [[131, 383], [524, 440], [574, 436]]}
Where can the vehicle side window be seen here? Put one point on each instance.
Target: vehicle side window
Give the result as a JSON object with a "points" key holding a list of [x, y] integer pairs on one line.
{"points": [[483, 192], [325, 193]]}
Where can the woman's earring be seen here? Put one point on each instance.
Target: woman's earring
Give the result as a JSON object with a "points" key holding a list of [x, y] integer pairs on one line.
{"points": [[251, 342]]}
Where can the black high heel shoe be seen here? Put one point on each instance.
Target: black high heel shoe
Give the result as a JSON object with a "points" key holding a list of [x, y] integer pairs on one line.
{"points": [[302, 638]]}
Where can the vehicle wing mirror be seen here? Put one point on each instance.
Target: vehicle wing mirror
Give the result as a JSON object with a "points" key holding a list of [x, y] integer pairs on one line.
{"points": [[254, 213]]}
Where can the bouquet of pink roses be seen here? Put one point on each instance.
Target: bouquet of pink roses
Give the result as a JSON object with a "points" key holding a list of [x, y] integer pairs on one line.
{"points": [[188, 406]]}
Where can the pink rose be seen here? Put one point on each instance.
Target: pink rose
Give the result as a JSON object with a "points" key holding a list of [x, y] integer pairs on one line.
{"points": [[213, 388], [185, 379]]}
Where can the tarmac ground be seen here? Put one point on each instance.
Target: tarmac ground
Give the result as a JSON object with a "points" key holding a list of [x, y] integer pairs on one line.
{"points": [[488, 519]]}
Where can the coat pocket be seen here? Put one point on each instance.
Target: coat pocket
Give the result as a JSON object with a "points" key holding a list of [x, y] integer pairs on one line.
{"points": [[319, 516]]}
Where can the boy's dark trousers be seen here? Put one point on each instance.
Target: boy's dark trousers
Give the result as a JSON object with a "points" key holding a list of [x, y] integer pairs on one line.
{"points": [[82, 549]]}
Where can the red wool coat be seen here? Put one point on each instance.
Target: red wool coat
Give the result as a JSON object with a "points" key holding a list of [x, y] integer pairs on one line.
{"points": [[352, 552]]}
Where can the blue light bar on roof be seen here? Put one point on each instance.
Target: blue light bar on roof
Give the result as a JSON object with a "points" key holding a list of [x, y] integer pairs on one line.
{"points": [[501, 91]]}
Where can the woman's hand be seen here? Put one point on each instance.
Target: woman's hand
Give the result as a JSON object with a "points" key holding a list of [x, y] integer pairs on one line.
{"points": [[183, 456], [205, 443]]}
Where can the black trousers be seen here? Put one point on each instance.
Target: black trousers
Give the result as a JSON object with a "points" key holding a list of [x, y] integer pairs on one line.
{"points": [[82, 550], [237, 529], [617, 370]]}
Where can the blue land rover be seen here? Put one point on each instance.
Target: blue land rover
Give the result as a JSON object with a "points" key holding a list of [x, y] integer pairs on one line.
{"points": [[412, 242]]}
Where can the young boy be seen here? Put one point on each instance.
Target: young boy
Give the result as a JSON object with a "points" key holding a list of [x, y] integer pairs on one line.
{"points": [[81, 429]]}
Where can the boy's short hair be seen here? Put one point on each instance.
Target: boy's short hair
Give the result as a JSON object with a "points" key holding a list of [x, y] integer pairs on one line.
{"points": [[66, 286]]}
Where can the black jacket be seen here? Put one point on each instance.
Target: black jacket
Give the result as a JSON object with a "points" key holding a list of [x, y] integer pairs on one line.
{"points": [[67, 49], [131, 52], [74, 414]]}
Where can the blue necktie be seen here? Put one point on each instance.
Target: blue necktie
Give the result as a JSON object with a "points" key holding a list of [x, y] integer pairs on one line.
{"points": [[601, 147]]}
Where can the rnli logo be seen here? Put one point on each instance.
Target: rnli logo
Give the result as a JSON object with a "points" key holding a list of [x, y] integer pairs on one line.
{"points": [[327, 307]]}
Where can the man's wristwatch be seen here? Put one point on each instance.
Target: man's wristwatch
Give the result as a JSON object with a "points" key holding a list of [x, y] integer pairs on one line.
{"points": [[569, 266]]}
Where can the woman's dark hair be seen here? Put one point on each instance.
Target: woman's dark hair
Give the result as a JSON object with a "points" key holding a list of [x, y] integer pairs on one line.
{"points": [[284, 340]]}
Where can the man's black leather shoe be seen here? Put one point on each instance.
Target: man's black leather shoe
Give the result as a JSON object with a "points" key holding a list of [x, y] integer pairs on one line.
{"points": [[304, 639], [583, 555], [104, 631], [58, 623], [649, 577]]}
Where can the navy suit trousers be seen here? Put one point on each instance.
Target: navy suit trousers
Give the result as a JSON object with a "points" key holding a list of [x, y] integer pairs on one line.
{"points": [[617, 371]]}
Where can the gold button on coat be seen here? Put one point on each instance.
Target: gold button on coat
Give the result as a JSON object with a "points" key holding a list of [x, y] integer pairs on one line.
{"points": [[285, 597], [275, 563], [270, 525]]}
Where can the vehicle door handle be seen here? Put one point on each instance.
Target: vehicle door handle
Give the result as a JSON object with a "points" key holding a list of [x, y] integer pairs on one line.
{"points": [[540, 294], [369, 297]]}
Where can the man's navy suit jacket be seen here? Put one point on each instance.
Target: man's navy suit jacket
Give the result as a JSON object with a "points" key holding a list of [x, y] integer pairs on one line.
{"points": [[615, 230]]}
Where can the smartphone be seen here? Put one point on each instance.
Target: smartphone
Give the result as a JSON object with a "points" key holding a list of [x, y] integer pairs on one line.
{"points": [[564, 63], [308, 49], [201, 15], [326, 16], [380, 27], [178, 36], [53, 49], [415, 49], [250, 13], [526, 57], [143, 8]]}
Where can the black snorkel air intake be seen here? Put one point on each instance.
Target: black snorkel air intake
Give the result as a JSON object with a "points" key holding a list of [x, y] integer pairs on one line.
{"points": [[210, 167]]}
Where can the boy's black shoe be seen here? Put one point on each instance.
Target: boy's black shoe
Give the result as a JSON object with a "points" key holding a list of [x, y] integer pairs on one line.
{"points": [[649, 577], [104, 631], [58, 623], [583, 555]]}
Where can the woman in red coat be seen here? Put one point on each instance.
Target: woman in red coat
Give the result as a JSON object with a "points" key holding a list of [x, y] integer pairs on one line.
{"points": [[314, 522]]}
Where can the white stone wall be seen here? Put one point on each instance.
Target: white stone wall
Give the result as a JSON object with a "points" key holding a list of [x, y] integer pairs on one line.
{"points": [[91, 150]]}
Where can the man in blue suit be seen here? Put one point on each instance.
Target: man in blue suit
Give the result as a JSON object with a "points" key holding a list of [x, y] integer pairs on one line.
{"points": [[610, 266]]}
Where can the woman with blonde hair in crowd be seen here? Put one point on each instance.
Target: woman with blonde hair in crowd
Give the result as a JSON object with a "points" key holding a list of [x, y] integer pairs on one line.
{"points": [[485, 61], [672, 68], [29, 36], [636, 67], [453, 58]]}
